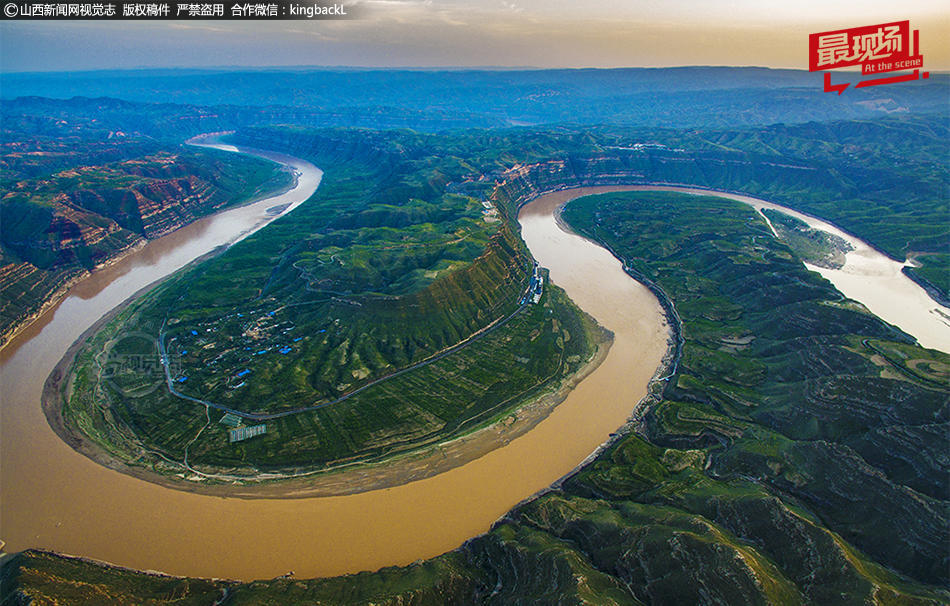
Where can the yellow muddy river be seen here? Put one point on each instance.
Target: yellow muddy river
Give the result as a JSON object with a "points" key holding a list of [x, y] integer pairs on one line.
{"points": [[54, 498]]}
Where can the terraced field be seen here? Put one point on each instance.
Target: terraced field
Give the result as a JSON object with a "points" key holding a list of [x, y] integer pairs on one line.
{"points": [[383, 316], [69, 206], [795, 456], [523, 357], [798, 452]]}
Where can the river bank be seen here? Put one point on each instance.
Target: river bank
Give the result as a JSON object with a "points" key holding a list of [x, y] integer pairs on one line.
{"points": [[868, 275], [74, 505], [346, 479], [77, 506], [18, 326]]}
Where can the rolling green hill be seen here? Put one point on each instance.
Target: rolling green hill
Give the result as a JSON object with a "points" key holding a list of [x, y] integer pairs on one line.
{"points": [[309, 325], [797, 454], [758, 474], [409, 248]]}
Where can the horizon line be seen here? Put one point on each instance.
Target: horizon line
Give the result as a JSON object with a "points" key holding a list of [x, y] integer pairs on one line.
{"points": [[456, 68]]}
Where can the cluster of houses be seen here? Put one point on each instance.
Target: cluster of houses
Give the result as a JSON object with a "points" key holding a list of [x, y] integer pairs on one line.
{"points": [[259, 336]]}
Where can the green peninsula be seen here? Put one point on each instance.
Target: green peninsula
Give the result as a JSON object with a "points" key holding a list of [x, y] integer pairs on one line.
{"points": [[796, 453], [762, 472], [391, 312]]}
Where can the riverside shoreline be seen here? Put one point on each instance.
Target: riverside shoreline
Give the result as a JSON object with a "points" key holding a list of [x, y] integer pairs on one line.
{"points": [[402, 468], [22, 324], [74, 505]]}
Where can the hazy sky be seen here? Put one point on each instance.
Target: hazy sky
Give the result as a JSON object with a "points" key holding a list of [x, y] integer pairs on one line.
{"points": [[539, 33]]}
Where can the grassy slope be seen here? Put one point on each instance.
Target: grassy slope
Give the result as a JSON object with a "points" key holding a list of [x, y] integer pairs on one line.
{"points": [[382, 269], [897, 167], [801, 429], [800, 416], [756, 479]]}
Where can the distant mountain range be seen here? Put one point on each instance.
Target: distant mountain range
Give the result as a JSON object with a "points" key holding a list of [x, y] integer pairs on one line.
{"points": [[440, 99]]}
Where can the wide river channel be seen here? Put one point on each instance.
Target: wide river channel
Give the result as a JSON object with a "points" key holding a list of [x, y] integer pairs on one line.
{"points": [[54, 498]]}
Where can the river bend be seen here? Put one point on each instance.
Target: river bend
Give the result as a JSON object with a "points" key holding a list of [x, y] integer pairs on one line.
{"points": [[55, 498]]}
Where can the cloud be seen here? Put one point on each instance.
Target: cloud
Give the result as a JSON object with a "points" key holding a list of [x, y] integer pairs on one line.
{"points": [[542, 33]]}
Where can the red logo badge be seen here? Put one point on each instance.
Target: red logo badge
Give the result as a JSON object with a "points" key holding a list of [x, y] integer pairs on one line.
{"points": [[887, 47]]}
